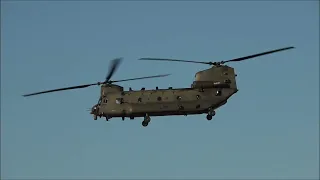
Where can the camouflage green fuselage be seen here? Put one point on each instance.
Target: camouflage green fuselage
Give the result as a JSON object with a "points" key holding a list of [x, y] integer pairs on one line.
{"points": [[211, 89]]}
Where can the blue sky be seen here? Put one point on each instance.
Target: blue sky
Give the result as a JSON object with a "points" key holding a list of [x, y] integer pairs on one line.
{"points": [[269, 129]]}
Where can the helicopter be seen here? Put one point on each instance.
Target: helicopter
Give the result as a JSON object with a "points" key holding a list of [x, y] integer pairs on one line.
{"points": [[211, 89]]}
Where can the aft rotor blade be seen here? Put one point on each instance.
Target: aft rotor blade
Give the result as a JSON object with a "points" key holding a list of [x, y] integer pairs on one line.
{"points": [[178, 60], [256, 55], [113, 67], [147, 77], [62, 89]]}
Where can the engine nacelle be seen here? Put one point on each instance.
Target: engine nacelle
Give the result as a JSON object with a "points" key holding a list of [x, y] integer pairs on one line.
{"points": [[217, 76]]}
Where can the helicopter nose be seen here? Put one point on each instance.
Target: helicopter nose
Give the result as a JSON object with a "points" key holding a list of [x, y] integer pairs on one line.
{"points": [[94, 110]]}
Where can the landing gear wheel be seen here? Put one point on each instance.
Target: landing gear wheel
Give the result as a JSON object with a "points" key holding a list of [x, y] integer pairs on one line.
{"points": [[131, 117], [146, 120], [209, 117], [144, 123], [122, 118], [95, 117]]}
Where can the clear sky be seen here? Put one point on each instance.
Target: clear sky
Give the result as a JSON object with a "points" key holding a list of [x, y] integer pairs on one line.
{"points": [[269, 129]]}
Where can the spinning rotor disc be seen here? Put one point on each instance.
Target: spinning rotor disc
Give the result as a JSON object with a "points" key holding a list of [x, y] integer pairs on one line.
{"points": [[114, 65], [221, 62]]}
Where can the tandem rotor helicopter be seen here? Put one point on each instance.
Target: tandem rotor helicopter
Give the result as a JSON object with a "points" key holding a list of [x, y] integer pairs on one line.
{"points": [[210, 90]]}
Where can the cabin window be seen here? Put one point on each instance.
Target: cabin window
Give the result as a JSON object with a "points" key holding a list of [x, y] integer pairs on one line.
{"points": [[105, 100], [159, 98], [139, 99], [218, 93], [119, 100], [198, 96], [179, 97]]}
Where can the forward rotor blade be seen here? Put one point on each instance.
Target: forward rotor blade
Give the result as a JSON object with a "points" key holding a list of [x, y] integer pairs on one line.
{"points": [[62, 89], [256, 55], [147, 77], [178, 60], [113, 67]]}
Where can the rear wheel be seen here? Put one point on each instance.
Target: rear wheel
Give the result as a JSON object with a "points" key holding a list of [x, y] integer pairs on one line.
{"points": [[144, 123], [209, 117]]}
